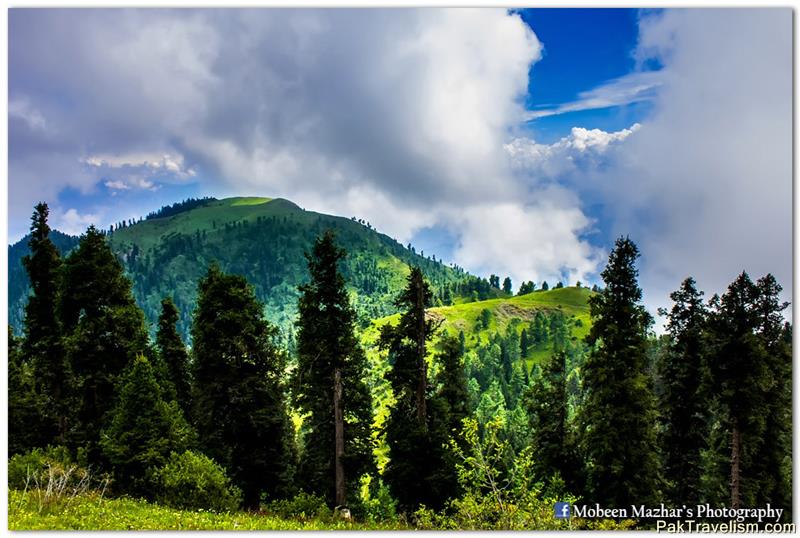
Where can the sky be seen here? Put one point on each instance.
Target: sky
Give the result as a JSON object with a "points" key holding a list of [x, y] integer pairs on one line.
{"points": [[520, 143]]}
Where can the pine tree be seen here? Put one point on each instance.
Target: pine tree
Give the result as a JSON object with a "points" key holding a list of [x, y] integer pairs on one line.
{"points": [[104, 331], [684, 401], [507, 287], [172, 353], [547, 405], [739, 368], [238, 396], [450, 406], [410, 463], [143, 429], [619, 439], [329, 382], [24, 405], [774, 462], [42, 345]]}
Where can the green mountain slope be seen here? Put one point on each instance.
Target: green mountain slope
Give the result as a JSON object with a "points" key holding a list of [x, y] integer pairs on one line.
{"points": [[265, 240], [501, 328], [516, 311]]}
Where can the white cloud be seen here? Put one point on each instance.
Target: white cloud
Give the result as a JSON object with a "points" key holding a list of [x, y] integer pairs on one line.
{"points": [[539, 241], [74, 223], [397, 116], [705, 187], [632, 88], [21, 108], [582, 150]]}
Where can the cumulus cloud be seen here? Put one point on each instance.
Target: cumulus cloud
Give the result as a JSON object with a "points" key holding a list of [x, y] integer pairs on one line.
{"points": [[705, 186], [74, 223], [583, 150], [397, 116]]}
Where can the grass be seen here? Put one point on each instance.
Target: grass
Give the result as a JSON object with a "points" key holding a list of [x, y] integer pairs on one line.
{"points": [[92, 512]]}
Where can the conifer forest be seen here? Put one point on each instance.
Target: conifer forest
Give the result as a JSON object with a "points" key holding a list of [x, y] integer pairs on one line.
{"points": [[409, 268], [467, 405]]}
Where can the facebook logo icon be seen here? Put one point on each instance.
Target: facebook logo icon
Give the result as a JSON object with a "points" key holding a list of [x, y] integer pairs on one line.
{"points": [[562, 510]]}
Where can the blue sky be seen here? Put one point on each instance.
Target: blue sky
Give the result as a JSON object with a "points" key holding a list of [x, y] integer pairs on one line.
{"points": [[516, 143]]}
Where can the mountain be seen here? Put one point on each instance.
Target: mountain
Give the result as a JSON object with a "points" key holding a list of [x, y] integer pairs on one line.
{"points": [[263, 239]]}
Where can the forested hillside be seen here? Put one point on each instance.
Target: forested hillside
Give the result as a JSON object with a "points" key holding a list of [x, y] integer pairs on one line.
{"points": [[480, 414], [262, 239]]}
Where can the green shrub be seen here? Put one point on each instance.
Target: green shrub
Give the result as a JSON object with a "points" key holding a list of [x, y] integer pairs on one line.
{"points": [[303, 506], [379, 505], [193, 481], [24, 468]]}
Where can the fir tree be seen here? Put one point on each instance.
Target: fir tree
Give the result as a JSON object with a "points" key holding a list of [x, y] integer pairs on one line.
{"points": [[410, 463], [42, 345], [238, 398], [172, 353], [507, 287], [619, 439], [774, 463], [684, 400], [329, 382], [547, 407], [24, 405], [739, 369], [143, 430], [104, 331], [450, 406]]}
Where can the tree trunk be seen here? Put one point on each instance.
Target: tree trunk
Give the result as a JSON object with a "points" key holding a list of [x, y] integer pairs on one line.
{"points": [[735, 464], [338, 420], [422, 385]]}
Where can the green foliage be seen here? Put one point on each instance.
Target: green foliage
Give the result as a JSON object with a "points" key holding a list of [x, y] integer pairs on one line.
{"points": [[239, 403], [622, 461], [415, 449], [495, 498], [25, 406], [42, 346], [303, 507], [143, 430], [104, 331], [750, 363], [192, 481], [326, 343], [684, 399], [24, 467], [547, 403], [90, 511], [172, 354]]}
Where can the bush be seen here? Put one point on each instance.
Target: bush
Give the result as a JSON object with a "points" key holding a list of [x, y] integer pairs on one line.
{"points": [[193, 481], [303, 506], [51, 479], [378, 505], [22, 468]]}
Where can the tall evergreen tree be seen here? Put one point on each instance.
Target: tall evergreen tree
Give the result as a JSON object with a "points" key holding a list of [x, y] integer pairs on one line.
{"points": [[238, 396], [449, 407], [774, 463], [172, 353], [546, 402], [410, 463], [740, 369], [143, 429], [104, 331], [619, 439], [507, 287], [751, 368], [684, 401], [24, 405], [42, 345], [329, 382]]}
